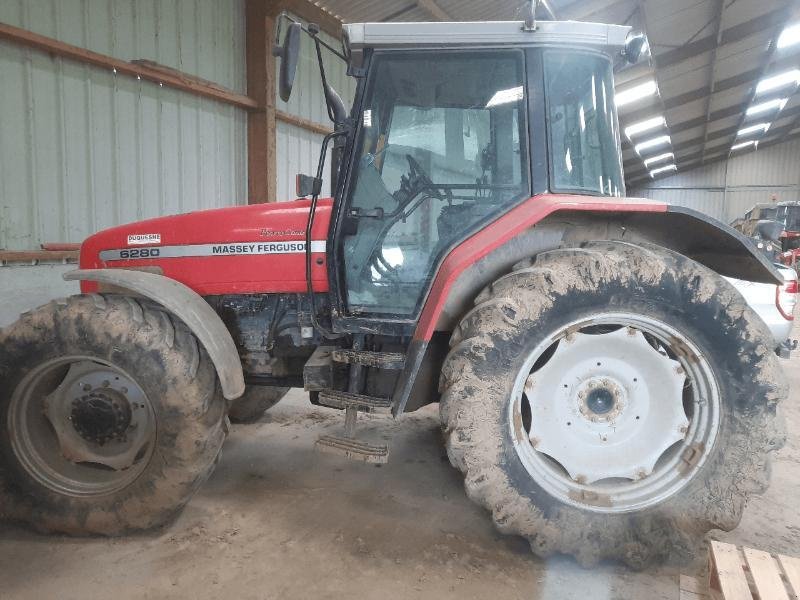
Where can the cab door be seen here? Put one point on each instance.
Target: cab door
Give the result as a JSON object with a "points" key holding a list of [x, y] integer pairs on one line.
{"points": [[441, 148]]}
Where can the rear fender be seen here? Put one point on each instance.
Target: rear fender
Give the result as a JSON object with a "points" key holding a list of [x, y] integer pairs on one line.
{"points": [[552, 221], [683, 230], [190, 308]]}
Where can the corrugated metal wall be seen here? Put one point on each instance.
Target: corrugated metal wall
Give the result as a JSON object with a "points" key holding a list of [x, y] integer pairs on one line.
{"points": [[82, 148], [297, 148], [725, 190]]}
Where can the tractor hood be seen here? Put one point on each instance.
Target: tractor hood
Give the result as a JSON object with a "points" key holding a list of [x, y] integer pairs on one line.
{"points": [[244, 249]]}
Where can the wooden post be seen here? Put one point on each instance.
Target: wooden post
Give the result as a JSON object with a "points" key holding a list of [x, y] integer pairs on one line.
{"points": [[262, 176]]}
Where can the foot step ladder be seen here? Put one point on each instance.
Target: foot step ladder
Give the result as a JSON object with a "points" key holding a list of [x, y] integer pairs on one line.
{"points": [[379, 360], [353, 402]]}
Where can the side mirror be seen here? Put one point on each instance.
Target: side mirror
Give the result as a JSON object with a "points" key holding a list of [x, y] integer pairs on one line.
{"points": [[289, 53], [306, 185], [769, 230], [635, 45]]}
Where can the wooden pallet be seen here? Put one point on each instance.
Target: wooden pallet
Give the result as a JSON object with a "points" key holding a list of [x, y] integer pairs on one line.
{"points": [[744, 574]]}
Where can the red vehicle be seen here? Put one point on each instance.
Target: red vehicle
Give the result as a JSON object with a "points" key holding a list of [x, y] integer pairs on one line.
{"points": [[604, 390]]}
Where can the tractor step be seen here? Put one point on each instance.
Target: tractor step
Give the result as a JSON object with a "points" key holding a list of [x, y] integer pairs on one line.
{"points": [[365, 404], [353, 449], [379, 360]]}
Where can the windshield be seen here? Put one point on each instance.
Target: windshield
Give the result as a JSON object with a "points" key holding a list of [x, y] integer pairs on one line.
{"points": [[582, 124], [441, 148]]}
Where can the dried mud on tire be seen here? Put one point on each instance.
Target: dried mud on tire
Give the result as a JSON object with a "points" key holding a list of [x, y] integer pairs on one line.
{"points": [[179, 379], [556, 286]]}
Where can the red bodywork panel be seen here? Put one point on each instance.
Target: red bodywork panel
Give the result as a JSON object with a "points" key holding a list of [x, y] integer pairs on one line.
{"points": [[505, 228], [251, 260], [247, 230]]}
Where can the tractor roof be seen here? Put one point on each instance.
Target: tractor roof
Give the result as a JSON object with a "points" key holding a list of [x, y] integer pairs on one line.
{"points": [[598, 36]]}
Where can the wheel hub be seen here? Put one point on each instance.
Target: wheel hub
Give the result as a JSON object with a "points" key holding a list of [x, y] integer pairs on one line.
{"points": [[607, 405], [81, 426], [600, 400], [100, 417]]}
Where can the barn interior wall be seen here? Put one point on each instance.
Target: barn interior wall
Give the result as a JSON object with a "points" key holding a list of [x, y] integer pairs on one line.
{"points": [[726, 189], [83, 148]]}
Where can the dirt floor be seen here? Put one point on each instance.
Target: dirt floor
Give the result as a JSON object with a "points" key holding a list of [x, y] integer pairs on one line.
{"points": [[278, 520]]}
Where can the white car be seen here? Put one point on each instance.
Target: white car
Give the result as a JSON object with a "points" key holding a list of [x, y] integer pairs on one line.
{"points": [[775, 304]]}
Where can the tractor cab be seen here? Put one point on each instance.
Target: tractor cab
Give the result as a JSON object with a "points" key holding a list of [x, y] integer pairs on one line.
{"points": [[453, 125]]}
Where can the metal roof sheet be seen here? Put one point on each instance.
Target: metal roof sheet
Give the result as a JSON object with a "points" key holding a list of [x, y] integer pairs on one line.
{"points": [[706, 55]]}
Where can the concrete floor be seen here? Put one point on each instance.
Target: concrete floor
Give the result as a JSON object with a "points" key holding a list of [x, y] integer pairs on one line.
{"points": [[278, 520]]}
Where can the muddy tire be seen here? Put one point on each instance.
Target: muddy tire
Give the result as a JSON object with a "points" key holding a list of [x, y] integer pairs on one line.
{"points": [[256, 400], [110, 416], [535, 470]]}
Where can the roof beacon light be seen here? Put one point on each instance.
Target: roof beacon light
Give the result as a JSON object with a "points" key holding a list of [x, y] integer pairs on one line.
{"points": [[637, 92], [780, 80], [645, 125], [660, 158], [789, 37], [652, 143], [659, 170]]}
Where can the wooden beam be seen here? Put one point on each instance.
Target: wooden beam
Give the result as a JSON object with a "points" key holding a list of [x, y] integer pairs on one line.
{"points": [[61, 246], [303, 123], [35, 256], [262, 176], [170, 78]]}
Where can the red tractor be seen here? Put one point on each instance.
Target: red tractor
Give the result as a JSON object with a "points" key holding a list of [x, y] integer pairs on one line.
{"points": [[605, 392]]}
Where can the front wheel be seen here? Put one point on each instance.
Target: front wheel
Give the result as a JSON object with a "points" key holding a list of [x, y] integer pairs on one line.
{"points": [[110, 416], [612, 401], [255, 401]]}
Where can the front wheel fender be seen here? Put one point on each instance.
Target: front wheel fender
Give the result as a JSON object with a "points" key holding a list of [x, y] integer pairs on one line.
{"points": [[189, 307]]}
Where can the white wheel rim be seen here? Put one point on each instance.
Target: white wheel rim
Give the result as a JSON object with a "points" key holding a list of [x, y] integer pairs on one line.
{"points": [[623, 410]]}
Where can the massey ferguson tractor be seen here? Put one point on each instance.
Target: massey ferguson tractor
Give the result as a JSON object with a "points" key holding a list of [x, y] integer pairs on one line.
{"points": [[604, 391]]}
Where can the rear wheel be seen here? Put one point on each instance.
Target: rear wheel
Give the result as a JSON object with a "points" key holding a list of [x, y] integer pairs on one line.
{"points": [[256, 400], [613, 401], [110, 416]]}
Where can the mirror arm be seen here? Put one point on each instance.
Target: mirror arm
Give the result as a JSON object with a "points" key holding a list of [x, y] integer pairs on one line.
{"points": [[336, 110], [312, 30]]}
